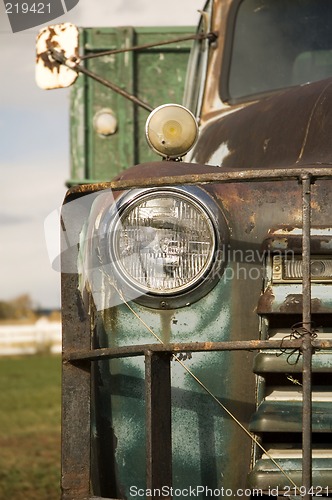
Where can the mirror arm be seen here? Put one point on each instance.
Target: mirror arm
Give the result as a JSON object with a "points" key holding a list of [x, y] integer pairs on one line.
{"points": [[74, 64]]}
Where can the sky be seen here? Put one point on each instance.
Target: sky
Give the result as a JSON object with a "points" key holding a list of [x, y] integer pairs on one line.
{"points": [[34, 140]]}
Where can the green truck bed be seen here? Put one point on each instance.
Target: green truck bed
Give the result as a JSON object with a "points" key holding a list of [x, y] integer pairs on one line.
{"points": [[156, 75]]}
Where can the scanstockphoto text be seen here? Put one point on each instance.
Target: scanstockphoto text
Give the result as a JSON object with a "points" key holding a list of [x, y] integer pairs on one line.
{"points": [[192, 492], [207, 492]]}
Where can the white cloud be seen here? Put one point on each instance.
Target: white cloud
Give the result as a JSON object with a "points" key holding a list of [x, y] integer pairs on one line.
{"points": [[25, 265], [30, 195], [135, 12]]}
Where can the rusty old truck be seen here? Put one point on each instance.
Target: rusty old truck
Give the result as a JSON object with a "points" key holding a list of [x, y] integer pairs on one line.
{"points": [[197, 287]]}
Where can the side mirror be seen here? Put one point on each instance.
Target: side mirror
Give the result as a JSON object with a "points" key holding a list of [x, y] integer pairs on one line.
{"points": [[50, 73]]}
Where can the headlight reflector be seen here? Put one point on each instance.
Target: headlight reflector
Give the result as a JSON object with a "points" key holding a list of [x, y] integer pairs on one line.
{"points": [[171, 130], [164, 242]]}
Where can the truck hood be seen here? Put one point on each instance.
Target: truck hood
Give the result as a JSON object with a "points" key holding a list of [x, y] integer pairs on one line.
{"points": [[290, 128]]}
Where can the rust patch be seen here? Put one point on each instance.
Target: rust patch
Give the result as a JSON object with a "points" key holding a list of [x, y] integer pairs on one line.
{"points": [[294, 304], [56, 56], [208, 345], [277, 243], [51, 64], [111, 319], [266, 301], [284, 229], [284, 237], [251, 224], [166, 318], [255, 134], [316, 305]]}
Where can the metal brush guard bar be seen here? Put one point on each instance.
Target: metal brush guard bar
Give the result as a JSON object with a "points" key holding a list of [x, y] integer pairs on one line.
{"points": [[78, 355]]}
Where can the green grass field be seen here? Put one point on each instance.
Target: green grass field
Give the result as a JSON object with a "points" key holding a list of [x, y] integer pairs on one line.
{"points": [[30, 428]]}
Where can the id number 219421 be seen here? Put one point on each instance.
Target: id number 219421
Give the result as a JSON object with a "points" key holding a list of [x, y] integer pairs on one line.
{"points": [[25, 8]]}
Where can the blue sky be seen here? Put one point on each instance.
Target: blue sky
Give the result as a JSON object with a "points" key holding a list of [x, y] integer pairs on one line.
{"points": [[34, 140]]}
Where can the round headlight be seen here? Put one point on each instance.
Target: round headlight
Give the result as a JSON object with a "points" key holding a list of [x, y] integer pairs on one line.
{"points": [[171, 130], [164, 243]]}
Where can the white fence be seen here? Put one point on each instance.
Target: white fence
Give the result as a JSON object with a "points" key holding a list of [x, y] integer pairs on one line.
{"points": [[42, 336]]}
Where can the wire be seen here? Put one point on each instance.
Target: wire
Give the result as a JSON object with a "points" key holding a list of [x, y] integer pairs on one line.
{"points": [[298, 331]]}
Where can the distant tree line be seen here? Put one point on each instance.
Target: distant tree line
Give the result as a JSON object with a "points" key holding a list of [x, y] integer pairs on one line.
{"points": [[19, 308]]}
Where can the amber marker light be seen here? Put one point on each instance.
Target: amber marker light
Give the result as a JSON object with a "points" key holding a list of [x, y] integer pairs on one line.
{"points": [[171, 130]]}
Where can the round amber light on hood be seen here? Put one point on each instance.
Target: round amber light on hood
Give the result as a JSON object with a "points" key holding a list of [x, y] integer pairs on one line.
{"points": [[171, 130]]}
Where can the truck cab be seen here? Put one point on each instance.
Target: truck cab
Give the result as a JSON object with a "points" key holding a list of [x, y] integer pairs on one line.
{"points": [[264, 50], [196, 290]]}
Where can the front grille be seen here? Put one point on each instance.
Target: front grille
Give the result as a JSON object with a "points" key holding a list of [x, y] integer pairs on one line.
{"points": [[278, 421]]}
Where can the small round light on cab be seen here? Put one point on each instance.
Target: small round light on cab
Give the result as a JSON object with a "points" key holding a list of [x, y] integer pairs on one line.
{"points": [[105, 122], [171, 130]]}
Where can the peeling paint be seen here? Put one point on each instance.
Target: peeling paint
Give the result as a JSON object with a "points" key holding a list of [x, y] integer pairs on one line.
{"points": [[281, 243], [50, 74], [315, 231], [219, 155], [265, 144]]}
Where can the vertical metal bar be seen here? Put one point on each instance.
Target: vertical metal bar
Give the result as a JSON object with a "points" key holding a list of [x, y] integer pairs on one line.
{"points": [[306, 344], [76, 377], [158, 422], [75, 442]]}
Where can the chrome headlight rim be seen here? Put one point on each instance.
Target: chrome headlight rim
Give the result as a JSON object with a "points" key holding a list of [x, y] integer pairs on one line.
{"points": [[198, 287]]}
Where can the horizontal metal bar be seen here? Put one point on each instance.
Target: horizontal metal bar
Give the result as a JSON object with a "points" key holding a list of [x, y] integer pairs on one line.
{"points": [[238, 345], [281, 174]]}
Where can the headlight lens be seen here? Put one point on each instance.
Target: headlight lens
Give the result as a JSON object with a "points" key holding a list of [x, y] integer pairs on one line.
{"points": [[163, 247], [164, 242]]}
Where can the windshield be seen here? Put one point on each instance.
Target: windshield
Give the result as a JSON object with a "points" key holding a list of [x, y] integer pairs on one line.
{"points": [[278, 44]]}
